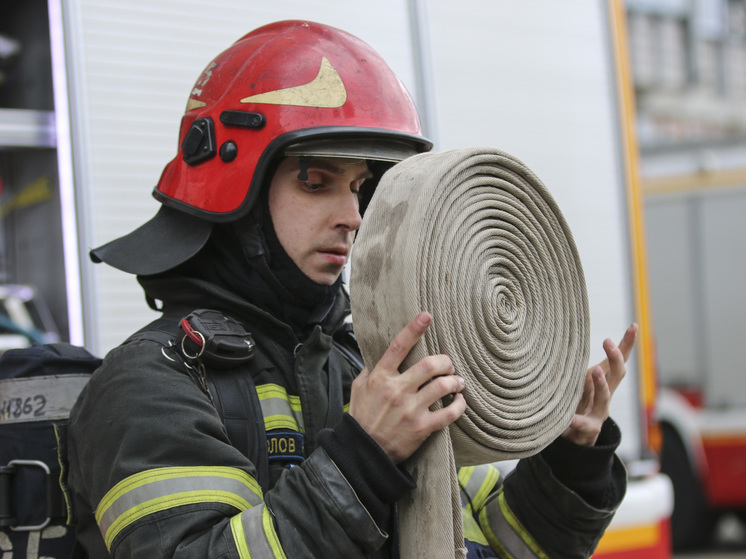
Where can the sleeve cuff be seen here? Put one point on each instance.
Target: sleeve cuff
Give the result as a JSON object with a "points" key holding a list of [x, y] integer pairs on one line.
{"points": [[585, 469], [377, 481]]}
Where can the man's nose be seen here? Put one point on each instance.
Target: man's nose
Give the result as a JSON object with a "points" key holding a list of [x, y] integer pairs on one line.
{"points": [[347, 214]]}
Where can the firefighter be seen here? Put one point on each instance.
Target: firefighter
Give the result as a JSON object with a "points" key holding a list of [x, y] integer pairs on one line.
{"points": [[284, 138]]}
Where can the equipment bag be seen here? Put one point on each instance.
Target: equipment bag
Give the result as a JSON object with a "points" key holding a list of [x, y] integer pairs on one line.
{"points": [[38, 387]]}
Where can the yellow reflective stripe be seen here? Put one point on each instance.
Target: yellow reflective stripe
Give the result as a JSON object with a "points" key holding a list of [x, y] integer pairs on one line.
{"points": [[254, 534], [491, 475], [163, 488], [267, 391], [239, 538], [161, 474], [518, 528], [478, 482], [156, 505], [494, 543], [280, 421], [464, 475], [269, 531], [280, 410], [472, 531]]}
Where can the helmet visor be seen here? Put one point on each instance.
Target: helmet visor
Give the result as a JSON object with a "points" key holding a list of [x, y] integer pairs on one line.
{"points": [[373, 149]]}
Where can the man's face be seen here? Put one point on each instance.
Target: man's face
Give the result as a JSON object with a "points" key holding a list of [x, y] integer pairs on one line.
{"points": [[316, 219]]}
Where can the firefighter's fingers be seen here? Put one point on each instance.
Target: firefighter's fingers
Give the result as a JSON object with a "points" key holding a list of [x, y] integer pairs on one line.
{"points": [[628, 341], [403, 343], [601, 394], [399, 419], [583, 430], [617, 367], [625, 346], [439, 387], [393, 408], [450, 412], [585, 427], [427, 369], [586, 400]]}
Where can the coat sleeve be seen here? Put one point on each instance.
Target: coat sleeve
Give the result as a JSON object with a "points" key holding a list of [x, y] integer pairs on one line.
{"points": [[153, 474], [533, 513]]}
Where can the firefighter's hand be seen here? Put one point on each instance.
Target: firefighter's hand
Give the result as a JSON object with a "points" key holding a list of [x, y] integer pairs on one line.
{"points": [[600, 383], [393, 407]]}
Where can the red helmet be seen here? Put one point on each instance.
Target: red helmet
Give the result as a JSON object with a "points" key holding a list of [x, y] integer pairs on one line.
{"points": [[291, 87]]}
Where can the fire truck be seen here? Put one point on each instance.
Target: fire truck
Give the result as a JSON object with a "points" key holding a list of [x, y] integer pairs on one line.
{"points": [[695, 199]]}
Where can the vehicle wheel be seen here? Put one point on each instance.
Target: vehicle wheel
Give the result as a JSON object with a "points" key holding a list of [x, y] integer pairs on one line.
{"points": [[692, 522]]}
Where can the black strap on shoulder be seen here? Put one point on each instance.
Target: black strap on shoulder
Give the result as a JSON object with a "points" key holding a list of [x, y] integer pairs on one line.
{"points": [[341, 349], [163, 338], [162, 330], [346, 343], [335, 410], [237, 401]]}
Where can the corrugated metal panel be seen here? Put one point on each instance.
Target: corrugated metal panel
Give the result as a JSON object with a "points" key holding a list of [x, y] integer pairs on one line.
{"points": [[137, 62]]}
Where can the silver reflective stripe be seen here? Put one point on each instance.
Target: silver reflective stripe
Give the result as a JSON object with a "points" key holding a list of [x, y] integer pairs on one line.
{"points": [[166, 488], [45, 398], [478, 482], [280, 410], [507, 534], [254, 535]]}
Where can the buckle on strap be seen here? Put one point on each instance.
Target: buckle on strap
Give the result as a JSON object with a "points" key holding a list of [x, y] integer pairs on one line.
{"points": [[6, 475]]}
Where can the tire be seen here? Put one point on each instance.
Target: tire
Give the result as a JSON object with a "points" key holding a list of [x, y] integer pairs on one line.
{"points": [[693, 522]]}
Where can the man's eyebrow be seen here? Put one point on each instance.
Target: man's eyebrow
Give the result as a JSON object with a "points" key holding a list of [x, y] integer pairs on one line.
{"points": [[336, 168]]}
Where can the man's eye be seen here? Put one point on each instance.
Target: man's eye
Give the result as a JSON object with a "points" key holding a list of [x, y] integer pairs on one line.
{"points": [[313, 186]]}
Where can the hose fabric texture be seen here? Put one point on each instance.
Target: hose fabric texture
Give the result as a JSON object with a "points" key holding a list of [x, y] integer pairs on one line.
{"points": [[473, 237]]}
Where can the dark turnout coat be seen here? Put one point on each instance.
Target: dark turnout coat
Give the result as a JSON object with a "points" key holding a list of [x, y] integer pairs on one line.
{"points": [[153, 472]]}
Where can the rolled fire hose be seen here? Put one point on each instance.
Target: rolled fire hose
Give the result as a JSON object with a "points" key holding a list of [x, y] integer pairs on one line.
{"points": [[475, 238]]}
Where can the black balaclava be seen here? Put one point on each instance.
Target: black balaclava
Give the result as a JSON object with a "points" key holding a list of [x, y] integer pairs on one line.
{"points": [[246, 258]]}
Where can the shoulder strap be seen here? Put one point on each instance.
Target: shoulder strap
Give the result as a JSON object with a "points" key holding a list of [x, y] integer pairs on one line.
{"points": [[335, 410], [162, 330], [346, 348], [346, 343], [235, 398]]}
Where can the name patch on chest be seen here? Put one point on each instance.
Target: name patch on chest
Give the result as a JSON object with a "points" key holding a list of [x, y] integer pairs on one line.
{"points": [[285, 446]]}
